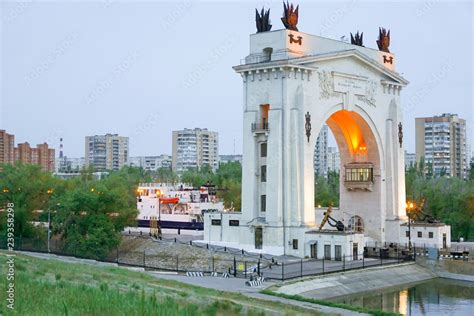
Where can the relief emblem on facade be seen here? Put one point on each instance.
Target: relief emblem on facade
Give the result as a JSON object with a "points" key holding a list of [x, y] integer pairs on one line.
{"points": [[370, 93], [326, 84]]}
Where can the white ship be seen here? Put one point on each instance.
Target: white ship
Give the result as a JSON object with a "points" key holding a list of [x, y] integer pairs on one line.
{"points": [[175, 206]]}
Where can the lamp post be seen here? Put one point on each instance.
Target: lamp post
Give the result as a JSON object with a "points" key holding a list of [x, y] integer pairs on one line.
{"points": [[50, 191], [409, 207], [158, 195]]}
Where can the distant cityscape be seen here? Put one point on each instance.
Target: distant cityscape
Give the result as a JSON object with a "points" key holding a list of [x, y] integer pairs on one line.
{"points": [[441, 142]]}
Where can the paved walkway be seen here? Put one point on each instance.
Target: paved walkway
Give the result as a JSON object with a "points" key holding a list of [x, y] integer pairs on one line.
{"points": [[231, 284], [238, 286]]}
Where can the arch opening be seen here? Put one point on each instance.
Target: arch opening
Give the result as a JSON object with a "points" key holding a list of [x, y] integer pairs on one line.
{"points": [[359, 165]]}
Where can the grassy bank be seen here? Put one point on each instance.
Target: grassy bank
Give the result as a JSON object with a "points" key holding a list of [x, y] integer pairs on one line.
{"points": [[51, 287], [330, 304]]}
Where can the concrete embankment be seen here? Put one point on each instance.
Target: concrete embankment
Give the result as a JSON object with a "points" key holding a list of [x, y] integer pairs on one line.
{"points": [[357, 281], [450, 269]]}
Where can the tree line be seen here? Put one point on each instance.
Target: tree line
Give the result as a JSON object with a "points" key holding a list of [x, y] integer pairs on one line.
{"points": [[89, 214]]}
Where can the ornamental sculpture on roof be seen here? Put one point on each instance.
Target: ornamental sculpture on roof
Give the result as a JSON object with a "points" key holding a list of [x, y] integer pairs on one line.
{"points": [[357, 39], [262, 20], [290, 16], [384, 40]]}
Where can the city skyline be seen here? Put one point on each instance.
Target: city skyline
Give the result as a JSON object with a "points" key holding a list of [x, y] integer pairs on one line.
{"points": [[111, 77]]}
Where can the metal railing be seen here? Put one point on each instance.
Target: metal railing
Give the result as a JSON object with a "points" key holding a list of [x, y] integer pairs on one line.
{"points": [[238, 263], [260, 127]]}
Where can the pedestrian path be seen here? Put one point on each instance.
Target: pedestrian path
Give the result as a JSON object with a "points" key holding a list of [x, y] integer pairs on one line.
{"points": [[238, 285]]}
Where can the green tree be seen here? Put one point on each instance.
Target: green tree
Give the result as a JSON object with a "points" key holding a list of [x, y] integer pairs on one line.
{"points": [[198, 177], [450, 200], [29, 189], [228, 179], [165, 175], [326, 189], [92, 214]]}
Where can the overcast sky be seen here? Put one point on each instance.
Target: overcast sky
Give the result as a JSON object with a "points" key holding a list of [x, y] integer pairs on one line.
{"points": [[143, 69]]}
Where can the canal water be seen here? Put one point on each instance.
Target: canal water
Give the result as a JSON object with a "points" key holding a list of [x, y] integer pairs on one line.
{"points": [[433, 297]]}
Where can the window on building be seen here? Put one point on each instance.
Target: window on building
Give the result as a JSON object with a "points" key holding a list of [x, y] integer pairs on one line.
{"points": [[216, 222], [263, 150], [263, 173], [420, 234], [430, 234], [295, 244], [407, 233], [264, 108], [233, 222], [263, 203]]}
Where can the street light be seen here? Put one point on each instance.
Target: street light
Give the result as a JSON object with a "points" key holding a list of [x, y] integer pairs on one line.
{"points": [[410, 206], [158, 195]]}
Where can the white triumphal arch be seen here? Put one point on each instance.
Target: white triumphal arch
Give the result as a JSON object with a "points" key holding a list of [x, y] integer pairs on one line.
{"points": [[293, 84]]}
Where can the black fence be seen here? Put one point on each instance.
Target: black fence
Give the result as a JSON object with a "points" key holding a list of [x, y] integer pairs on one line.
{"points": [[237, 263]]}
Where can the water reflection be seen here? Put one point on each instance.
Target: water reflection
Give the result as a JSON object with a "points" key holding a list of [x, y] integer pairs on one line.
{"points": [[434, 297]]}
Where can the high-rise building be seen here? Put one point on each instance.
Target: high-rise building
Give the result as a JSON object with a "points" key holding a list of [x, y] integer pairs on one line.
{"points": [[441, 142], [334, 160], [41, 155], [106, 152], [23, 153], [7, 145], [45, 156], [321, 152], [151, 163], [410, 159], [195, 148]]}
